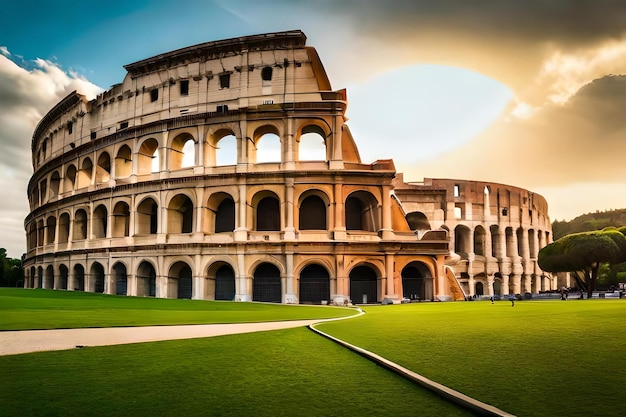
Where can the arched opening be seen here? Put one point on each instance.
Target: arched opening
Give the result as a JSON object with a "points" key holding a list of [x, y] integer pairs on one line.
{"points": [[146, 218], [497, 284], [69, 182], [314, 284], [268, 148], [362, 212], [40, 233], [121, 279], [97, 276], [226, 151], [103, 168], [79, 278], [183, 152], [268, 214], [51, 227], [417, 221], [123, 162], [100, 218], [462, 240], [496, 247], [64, 228], [510, 242], [85, 173], [479, 241], [180, 215], [225, 216], [417, 282], [520, 241], [80, 225], [179, 281], [220, 283], [55, 184], [121, 220], [312, 214], [148, 157], [266, 285], [146, 280], [63, 277], [312, 144], [479, 289], [48, 278], [363, 285]]}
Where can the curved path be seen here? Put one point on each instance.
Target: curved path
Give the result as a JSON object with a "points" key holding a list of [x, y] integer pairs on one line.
{"points": [[26, 341]]}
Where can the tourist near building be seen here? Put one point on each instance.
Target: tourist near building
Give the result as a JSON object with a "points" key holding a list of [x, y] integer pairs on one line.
{"points": [[225, 171]]}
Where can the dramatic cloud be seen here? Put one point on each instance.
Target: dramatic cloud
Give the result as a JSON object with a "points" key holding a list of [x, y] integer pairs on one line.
{"points": [[26, 95]]}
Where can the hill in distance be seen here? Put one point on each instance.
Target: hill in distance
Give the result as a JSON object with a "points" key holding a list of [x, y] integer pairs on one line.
{"points": [[588, 222]]}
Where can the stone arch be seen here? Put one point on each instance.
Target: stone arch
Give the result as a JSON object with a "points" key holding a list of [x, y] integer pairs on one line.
{"points": [[51, 227], [180, 281], [146, 220], [80, 224], [79, 278], [266, 284], [220, 213], [364, 283], [361, 211], [63, 277], [496, 246], [96, 276], [312, 144], [480, 241], [417, 281], [55, 184], [40, 232], [220, 282], [266, 206], [497, 284], [479, 288], [148, 157], [313, 210], [222, 147], [510, 242], [462, 239], [48, 278], [417, 221], [267, 145], [123, 162], [99, 222], [120, 278], [182, 151], [84, 174], [69, 181], [64, 227], [314, 284], [180, 214], [146, 279], [103, 168], [121, 219]]}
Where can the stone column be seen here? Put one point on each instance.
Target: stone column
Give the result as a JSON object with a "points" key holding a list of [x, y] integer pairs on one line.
{"points": [[505, 284], [290, 296], [241, 229], [241, 289], [289, 231], [339, 229], [387, 231], [389, 271]]}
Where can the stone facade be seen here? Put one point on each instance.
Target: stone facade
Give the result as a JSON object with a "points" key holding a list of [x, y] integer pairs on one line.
{"points": [[226, 171]]}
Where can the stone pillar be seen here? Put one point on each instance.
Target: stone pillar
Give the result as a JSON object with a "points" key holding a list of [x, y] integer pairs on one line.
{"points": [[241, 229], [343, 282], [490, 281], [290, 296], [336, 155], [389, 271], [339, 231], [289, 232], [241, 288], [505, 284], [387, 230]]}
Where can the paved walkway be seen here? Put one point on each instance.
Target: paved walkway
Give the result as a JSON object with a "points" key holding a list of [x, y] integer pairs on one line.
{"points": [[26, 341]]}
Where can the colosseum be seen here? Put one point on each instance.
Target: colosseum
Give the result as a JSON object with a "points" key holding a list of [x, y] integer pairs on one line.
{"points": [[226, 171]]}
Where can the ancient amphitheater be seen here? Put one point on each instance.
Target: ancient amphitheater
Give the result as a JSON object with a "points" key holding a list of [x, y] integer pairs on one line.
{"points": [[226, 171]]}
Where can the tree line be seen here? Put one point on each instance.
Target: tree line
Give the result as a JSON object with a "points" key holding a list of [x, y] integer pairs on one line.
{"points": [[11, 273]]}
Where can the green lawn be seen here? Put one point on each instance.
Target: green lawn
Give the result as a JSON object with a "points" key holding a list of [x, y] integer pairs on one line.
{"points": [[22, 309], [539, 358], [281, 373]]}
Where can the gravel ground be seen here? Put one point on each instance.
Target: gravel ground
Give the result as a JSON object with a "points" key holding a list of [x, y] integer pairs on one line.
{"points": [[26, 341]]}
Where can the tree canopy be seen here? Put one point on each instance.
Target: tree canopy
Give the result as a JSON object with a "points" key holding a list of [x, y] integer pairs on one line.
{"points": [[585, 252]]}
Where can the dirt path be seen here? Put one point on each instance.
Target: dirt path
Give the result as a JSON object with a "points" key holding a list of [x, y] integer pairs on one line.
{"points": [[26, 341]]}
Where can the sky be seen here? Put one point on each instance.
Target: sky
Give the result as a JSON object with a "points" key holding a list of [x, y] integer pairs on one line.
{"points": [[526, 93]]}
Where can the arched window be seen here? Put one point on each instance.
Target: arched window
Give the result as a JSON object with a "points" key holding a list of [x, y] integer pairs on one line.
{"points": [[123, 162], [180, 282], [480, 241], [85, 173], [183, 152], [417, 221], [225, 216], [268, 148], [226, 151], [55, 183], [103, 168], [63, 277], [100, 218], [266, 74], [80, 225], [64, 228], [314, 285], [312, 214], [51, 227], [312, 144], [266, 286], [97, 277], [79, 278], [268, 214], [121, 220], [361, 212], [148, 157], [147, 219], [180, 215], [462, 239], [146, 280], [121, 279], [69, 182]]}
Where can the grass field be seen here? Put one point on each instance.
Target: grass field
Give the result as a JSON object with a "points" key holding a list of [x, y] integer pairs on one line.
{"points": [[22, 309], [539, 358]]}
